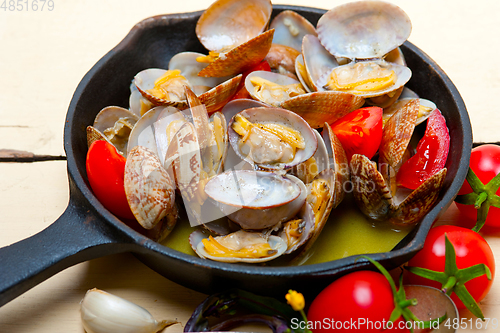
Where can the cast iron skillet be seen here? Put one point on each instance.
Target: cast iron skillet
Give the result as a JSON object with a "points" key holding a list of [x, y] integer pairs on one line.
{"points": [[86, 230]]}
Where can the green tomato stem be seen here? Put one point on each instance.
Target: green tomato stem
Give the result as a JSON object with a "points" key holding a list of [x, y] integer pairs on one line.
{"points": [[407, 303], [447, 288], [453, 278], [480, 199]]}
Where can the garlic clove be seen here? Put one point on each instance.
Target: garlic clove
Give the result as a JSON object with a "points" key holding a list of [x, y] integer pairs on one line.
{"points": [[103, 312]]}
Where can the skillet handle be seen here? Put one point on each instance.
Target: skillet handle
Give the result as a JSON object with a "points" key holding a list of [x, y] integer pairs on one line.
{"points": [[76, 236]]}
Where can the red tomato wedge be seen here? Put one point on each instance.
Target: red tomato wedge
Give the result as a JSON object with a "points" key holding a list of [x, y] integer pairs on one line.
{"points": [[242, 91], [432, 152], [360, 131], [105, 170]]}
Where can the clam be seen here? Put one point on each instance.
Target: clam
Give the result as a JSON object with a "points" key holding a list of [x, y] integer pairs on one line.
{"points": [[297, 231], [376, 192], [94, 135], [187, 63], [318, 62], [195, 154], [168, 122], [272, 88], [166, 87], [143, 133], [281, 59], [162, 87], [138, 104], [323, 106], [211, 133], [301, 73], [233, 32], [327, 189], [425, 109], [375, 200], [256, 199], [357, 51], [397, 134], [115, 124], [307, 170], [290, 28], [367, 79], [271, 138], [338, 163], [150, 191], [363, 29], [240, 246], [232, 160]]}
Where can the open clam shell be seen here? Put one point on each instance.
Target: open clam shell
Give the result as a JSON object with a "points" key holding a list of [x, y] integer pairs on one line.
{"points": [[150, 191], [363, 29], [95, 135], [356, 70], [328, 106], [375, 200], [290, 28], [240, 58], [282, 117], [397, 134], [188, 65], [298, 231], [256, 199], [318, 62], [426, 107], [229, 23], [107, 117], [218, 96], [235, 30], [306, 171], [143, 133], [281, 59], [272, 88], [116, 123], [371, 193], [169, 121], [138, 104], [214, 99], [338, 163], [301, 72], [236, 241], [145, 82], [211, 133], [232, 161], [420, 201]]}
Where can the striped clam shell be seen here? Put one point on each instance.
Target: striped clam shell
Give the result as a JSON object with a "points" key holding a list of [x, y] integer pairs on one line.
{"points": [[150, 191]]}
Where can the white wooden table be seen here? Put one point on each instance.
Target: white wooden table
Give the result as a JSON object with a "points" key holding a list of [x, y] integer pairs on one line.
{"points": [[44, 55]]}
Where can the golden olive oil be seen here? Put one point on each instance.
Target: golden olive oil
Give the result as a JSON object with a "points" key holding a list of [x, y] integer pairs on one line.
{"points": [[348, 232]]}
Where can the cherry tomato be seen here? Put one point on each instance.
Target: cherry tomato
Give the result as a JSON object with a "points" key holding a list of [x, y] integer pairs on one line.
{"points": [[431, 155], [470, 248], [242, 91], [485, 162], [105, 171], [360, 131], [353, 302]]}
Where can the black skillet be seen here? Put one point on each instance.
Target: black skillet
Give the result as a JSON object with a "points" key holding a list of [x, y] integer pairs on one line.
{"points": [[86, 230]]}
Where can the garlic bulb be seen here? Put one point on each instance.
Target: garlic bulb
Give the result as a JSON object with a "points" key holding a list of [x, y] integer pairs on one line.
{"points": [[103, 312]]}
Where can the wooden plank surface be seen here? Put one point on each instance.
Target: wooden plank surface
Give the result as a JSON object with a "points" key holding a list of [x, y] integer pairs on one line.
{"points": [[45, 54]]}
